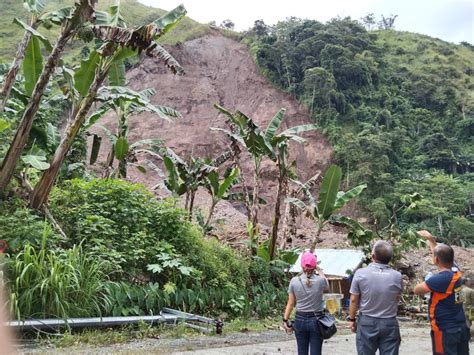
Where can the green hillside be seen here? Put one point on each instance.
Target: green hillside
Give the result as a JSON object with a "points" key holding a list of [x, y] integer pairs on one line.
{"points": [[134, 13], [398, 108]]}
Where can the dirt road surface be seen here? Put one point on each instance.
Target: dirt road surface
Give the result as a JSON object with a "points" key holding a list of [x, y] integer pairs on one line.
{"points": [[415, 341]]}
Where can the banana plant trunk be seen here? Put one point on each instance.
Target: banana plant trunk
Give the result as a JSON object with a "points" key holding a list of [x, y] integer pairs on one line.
{"points": [[235, 148], [191, 205], [316, 238], [43, 187], [255, 206], [281, 194], [123, 168], [9, 80], [211, 212], [123, 133], [109, 163], [289, 221], [23, 132]]}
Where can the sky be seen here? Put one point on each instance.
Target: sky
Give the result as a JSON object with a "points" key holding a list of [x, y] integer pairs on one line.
{"points": [[450, 20]]}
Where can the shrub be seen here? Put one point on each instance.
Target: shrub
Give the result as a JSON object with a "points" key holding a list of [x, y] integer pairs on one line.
{"points": [[116, 220], [21, 225], [128, 232], [55, 283], [129, 228]]}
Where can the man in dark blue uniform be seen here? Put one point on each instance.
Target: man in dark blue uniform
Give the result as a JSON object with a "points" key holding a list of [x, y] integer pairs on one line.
{"points": [[449, 332]]}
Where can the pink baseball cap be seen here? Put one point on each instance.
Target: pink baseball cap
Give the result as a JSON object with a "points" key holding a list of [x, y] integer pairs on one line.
{"points": [[308, 260]]}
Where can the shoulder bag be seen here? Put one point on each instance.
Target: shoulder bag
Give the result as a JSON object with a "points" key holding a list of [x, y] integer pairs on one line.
{"points": [[325, 321]]}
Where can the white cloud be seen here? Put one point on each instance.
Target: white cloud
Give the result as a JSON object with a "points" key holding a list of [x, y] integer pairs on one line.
{"points": [[451, 20]]}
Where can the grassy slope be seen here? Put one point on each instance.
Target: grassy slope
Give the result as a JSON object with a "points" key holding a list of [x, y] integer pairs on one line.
{"points": [[449, 65], [134, 12], [423, 55]]}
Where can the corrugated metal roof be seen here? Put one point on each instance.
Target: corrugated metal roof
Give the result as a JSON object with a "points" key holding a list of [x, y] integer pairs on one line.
{"points": [[334, 262]]}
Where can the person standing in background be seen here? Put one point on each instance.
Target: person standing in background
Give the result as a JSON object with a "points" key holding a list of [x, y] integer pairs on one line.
{"points": [[375, 291], [449, 331], [306, 292]]}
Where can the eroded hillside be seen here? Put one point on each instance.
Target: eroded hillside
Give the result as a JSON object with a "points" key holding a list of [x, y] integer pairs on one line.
{"points": [[218, 70]]}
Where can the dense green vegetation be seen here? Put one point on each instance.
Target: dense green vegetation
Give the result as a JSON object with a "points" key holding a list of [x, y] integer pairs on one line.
{"points": [[136, 255], [105, 246], [84, 246], [398, 109]]}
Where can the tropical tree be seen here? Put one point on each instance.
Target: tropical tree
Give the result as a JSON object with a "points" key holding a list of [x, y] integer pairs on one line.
{"points": [[117, 44], [261, 144], [330, 200], [291, 211], [185, 178], [280, 145], [29, 45], [74, 18], [249, 135], [125, 103], [218, 188]]}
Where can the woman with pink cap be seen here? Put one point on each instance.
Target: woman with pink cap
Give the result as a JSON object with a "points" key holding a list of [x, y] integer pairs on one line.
{"points": [[306, 293]]}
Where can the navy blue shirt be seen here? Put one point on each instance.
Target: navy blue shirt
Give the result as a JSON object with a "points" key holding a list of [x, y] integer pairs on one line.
{"points": [[445, 307]]}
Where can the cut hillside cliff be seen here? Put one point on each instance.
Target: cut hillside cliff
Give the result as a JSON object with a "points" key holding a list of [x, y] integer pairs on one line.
{"points": [[218, 70]]}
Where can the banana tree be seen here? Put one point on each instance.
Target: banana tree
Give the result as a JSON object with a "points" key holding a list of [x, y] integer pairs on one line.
{"points": [[245, 132], [219, 188], [291, 211], [280, 144], [125, 103], [74, 18], [36, 17], [117, 45], [184, 178], [330, 199]]}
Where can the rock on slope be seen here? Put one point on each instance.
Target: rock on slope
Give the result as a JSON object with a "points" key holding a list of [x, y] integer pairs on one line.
{"points": [[218, 70]]}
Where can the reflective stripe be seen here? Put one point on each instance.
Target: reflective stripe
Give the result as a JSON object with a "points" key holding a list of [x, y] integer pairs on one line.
{"points": [[435, 298]]}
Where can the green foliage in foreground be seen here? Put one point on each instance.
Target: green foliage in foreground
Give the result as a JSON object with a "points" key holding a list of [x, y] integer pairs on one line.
{"points": [[397, 107], [137, 255], [55, 283]]}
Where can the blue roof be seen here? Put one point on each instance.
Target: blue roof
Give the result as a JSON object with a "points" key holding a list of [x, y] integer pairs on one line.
{"points": [[334, 262]]}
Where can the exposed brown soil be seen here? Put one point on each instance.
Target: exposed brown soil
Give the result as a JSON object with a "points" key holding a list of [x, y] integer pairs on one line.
{"points": [[219, 70]]}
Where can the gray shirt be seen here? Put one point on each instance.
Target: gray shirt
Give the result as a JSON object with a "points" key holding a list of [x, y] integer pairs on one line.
{"points": [[379, 287], [308, 298]]}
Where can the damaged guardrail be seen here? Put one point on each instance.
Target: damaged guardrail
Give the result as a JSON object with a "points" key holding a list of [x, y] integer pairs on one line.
{"points": [[166, 316]]}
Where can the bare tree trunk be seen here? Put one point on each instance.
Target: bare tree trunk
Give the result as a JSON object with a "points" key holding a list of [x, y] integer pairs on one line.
{"points": [[44, 186], [23, 132], [9, 79], [281, 194]]}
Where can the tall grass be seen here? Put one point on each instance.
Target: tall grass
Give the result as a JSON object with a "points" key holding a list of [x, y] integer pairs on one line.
{"points": [[49, 283]]}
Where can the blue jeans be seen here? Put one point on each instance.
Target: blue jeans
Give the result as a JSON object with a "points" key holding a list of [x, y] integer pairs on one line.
{"points": [[307, 334]]}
